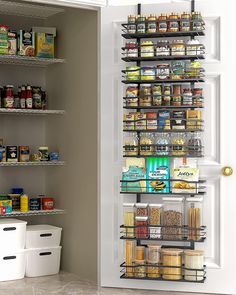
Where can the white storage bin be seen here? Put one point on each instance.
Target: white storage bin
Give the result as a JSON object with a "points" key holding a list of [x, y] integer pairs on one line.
{"points": [[42, 236], [12, 265], [12, 234], [42, 262]]}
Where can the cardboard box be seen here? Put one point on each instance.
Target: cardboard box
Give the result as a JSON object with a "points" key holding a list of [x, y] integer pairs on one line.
{"points": [[6, 204], [45, 45], [3, 39], [26, 43]]}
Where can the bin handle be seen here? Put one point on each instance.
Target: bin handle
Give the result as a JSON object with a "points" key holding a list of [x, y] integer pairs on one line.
{"points": [[9, 257], [45, 253], [9, 228], [45, 235]]}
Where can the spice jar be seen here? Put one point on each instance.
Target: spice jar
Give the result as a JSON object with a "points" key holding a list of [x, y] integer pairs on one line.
{"points": [[140, 252], [131, 27], [147, 49], [193, 47], [131, 98], [173, 24], [145, 98], [197, 97], [162, 23], [177, 70], [146, 144], [176, 98], [131, 19], [153, 259], [172, 264], [163, 71], [178, 142], [152, 24], [140, 269], [194, 265], [156, 95], [132, 73], [187, 97], [129, 258], [166, 93], [155, 211], [162, 144], [141, 209], [141, 230], [195, 145], [177, 48], [185, 22], [148, 73], [128, 215], [131, 145], [8, 101], [173, 218], [141, 25], [197, 21], [194, 217], [131, 49], [163, 48]]}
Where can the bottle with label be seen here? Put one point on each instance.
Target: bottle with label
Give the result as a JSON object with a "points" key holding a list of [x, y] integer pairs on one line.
{"points": [[9, 97], [24, 203], [22, 97], [29, 97]]}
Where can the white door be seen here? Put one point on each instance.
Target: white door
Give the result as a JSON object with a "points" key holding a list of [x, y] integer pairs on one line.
{"points": [[219, 202]]}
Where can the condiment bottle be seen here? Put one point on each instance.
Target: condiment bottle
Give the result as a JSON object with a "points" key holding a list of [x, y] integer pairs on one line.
{"points": [[9, 97], [24, 203], [29, 98], [22, 97]]}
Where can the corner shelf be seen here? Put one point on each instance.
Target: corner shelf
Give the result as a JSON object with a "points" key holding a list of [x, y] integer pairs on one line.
{"points": [[28, 164], [18, 60], [34, 213], [4, 111]]}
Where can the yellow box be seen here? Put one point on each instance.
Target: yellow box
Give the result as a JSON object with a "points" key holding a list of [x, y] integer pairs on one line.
{"points": [[45, 45]]}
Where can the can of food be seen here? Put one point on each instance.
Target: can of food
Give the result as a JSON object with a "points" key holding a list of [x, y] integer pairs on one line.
{"points": [[47, 203], [15, 201], [43, 153], [35, 204], [24, 203], [12, 153], [24, 153]]}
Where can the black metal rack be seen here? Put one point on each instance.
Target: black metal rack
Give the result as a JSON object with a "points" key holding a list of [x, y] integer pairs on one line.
{"points": [[198, 189]]}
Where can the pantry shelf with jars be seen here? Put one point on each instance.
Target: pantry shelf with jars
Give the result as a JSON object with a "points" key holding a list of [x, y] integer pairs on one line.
{"points": [[161, 146], [33, 213]]}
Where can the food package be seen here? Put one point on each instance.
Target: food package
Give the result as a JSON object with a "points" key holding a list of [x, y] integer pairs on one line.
{"points": [[140, 121], [138, 162], [133, 173], [129, 121], [151, 121], [26, 43], [194, 119], [12, 153], [184, 180], [7, 204], [164, 119], [45, 45], [3, 39], [185, 163], [12, 42], [158, 173]]}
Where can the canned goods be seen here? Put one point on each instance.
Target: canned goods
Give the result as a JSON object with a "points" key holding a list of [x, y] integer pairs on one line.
{"points": [[47, 203], [133, 73], [148, 73], [35, 204]]}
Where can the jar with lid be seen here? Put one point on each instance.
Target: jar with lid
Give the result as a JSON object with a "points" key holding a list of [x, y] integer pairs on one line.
{"points": [[162, 144], [145, 99], [173, 24], [177, 48], [163, 71], [141, 209], [131, 27], [166, 95], [129, 258], [147, 49], [155, 213], [140, 269], [185, 22], [173, 218], [131, 98], [132, 73], [187, 97], [193, 70], [195, 147], [197, 21], [193, 47], [198, 97], [128, 216], [177, 69], [163, 48], [153, 260], [172, 264], [162, 23], [131, 49], [176, 98], [148, 73], [140, 252], [194, 265], [157, 95], [178, 144], [194, 217], [141, 230], [8, 101], [146, 144], [131, 19], [141, 25], [131, 144], [152, 24]]}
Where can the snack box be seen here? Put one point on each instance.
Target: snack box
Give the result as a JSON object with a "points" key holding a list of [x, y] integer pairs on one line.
{"points": [[26, 43], [139, 162], [3, 39], [185, 180], [45, 45], [12, 153], [158, 171], [7, 204], [164, 119], [133, 173], [194, 119]]}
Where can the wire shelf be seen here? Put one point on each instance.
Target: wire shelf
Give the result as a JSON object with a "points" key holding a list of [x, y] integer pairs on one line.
{"points": [[161, 58], [34, 213], [29, 60], [30, 112], [28, 164], [161, 35]]}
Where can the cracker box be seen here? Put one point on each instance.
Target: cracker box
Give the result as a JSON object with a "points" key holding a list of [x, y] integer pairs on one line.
{"points": [[45, 45], [186, 180], [133, 173], [7, 204], [158, 173]]}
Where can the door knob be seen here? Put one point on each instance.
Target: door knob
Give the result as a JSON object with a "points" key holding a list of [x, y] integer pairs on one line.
{"points": [[227, 171]]}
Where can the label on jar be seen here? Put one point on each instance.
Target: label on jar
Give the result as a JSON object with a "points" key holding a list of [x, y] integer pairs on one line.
{"points": [[141, 28], [162, 51], [152, 27], [131, 29], [9, 102], [174, 26], [162, 26], [163, 73], [132, 52], [185, 25]]}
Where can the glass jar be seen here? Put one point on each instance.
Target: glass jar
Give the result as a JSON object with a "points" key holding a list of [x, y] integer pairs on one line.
{"points": [[132, 73], [166, 95], [152, 24], [147, 49], [177, 69], [185, 22], [140, 269], [187, 97], [163, 71], [131, 27], [195, 148], [140, 252], [177, 48], [178, 144], [141, 231], [176, 98], [162, 23], [198, 97], [131, 49], [148, 73], [193, 47], [129, 258], [131, 144], [131, 19], [141, 25], [163, 48], [173, 24], [145, 98], [172, 264], [197, 21], [172, 218], [153, 260], [131, 94], [162, 144], [155, 212], [146, 144], [194, 217], [128, 216], [194, 265], [141, 209], [157, 95]]}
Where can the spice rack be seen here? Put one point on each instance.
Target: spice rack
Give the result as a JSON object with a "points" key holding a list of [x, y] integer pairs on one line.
{"points": [[185, 236]]}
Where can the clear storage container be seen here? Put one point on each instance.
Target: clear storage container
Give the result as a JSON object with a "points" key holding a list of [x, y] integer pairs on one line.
{"points": [[155, 214], [141, 231], [173, 216], [140, 269], [194, 217], [140, 252], [130, 144], [153, 260], [129, 258], [141, 209], [194, 265], [172, 264], [128, 215]]}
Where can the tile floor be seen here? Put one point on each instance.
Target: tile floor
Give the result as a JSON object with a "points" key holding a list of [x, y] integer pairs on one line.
{"points": [[67, 284]]}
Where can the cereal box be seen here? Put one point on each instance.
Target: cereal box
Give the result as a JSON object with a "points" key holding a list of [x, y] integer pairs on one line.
{"points": [[26, 43], [186, 179], [45, 45]]}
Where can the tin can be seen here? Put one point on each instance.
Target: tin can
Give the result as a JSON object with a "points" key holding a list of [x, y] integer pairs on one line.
{"points": [[24, 153], [47, 203], [35, 204]]}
